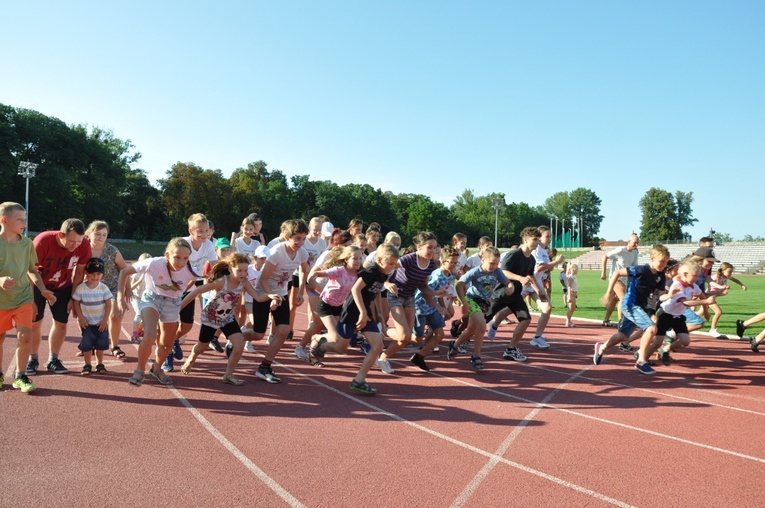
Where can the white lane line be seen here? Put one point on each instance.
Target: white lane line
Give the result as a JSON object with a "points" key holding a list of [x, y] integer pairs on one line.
{"points": [[478, 479], [449, 439], [603, 420], [241, 457]]}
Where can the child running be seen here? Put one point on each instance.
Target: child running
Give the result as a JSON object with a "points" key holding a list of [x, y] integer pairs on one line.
{"points": [[226, 282], [341, 269], [642, 282], [719, 286], [475, 290], [357, 314], [413, 272], [434, 317], [683, 293], [167, 278]]}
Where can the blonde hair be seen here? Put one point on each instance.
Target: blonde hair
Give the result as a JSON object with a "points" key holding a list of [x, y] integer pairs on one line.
{"points": [[197, 219], [387, 251], [690, 266], [95, 226], [224, 266], [7, 208], [659, 250], [339, 255], [489, 251], [390, 236], [143, 256]]}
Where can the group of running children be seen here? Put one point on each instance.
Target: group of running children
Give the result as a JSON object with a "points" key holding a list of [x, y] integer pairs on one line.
{"points": [[354, 287]]}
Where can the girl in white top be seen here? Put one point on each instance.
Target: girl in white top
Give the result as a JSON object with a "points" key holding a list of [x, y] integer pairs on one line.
{"points": [[314, 245], [718, 286], [246, 243], [227, 281], [572, 287], [271, 293], [166, 278], [138, 286]]}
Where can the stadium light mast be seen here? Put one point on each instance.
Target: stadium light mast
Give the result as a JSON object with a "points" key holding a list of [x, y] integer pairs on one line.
{"points": [[27, 170], [496, 203]]}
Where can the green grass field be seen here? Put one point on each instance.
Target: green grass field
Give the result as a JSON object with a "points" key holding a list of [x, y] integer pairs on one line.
{"points": [[737, 304]]}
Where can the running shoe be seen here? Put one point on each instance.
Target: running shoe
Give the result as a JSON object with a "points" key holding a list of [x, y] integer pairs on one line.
{"points": [[513, 353], [420, 362], [597, 356], [267, 374], [24, 384], [32, 366], [540, 342], [362, 387], [644, 368], [491, 332], [56, 367], [385, 366]]}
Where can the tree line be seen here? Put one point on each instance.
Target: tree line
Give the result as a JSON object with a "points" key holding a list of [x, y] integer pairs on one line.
{"points": [[89, 173]]}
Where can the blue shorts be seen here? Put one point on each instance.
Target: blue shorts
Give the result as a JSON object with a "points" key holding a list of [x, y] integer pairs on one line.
{"points": [[169, 309], [435, 320], [348, 330], [691, 318], [634, 317], [93, 338]]}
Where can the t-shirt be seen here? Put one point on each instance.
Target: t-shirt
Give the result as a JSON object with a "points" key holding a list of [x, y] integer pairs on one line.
{"points": [[253, 274], [338, 286], [675, 305], [16, 259], [622, 258], [160, 280], [410, 276], [55, 263], [205, 252], [92, 301], [241, 246], [219, 308], [482, 284], [642, 282], [284, 265], [373, 279], [314, 250], [573, 283], [437, 281], [473, 261], [516, 262]]}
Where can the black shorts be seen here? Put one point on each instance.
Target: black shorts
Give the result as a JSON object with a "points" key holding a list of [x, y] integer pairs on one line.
{"points": [[325, 309], [58, 309], [514, 302], [187, 313], [261, 311], [667, 322], [293, 283], [207, 333]]}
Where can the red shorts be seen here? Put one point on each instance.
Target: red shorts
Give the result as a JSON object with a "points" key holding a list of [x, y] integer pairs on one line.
{"points": [[19, 317]]}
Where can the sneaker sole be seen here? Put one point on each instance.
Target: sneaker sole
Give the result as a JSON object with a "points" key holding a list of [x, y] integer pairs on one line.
{"points": [[267, 379]]}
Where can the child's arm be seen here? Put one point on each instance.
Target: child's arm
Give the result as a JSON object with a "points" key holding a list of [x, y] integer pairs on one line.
{"points": [[134, 284], [733, 279], [80, 319], [359, 301], [104, 324], [461, 289], [215, 285], [124, 291], [622, 272], [37, 280], [79, 276]]}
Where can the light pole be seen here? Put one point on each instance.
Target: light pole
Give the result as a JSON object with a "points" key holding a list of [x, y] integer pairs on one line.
{"points": [[496, 203], [27, 170]]}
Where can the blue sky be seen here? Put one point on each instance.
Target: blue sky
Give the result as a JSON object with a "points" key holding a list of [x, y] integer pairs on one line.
{"points": [[525, 98]]}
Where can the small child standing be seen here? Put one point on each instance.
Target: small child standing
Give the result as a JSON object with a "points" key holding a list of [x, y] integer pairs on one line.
{"points": [[253, 274], [92, 301], [718, 286], [563, 278], [572, 286], [248, 241]]}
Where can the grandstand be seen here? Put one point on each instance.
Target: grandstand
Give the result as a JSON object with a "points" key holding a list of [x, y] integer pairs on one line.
{"points": [[746, 257]]}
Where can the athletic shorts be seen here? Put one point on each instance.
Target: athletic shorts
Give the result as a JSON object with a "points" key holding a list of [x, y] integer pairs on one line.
{"points": [[207, 333], [324, 309], [58, 309], [93, 338], [21, 316], [187, 313], [261, 311], [638, 316], [348, 330], [669, 322], [435, 320], [691, 318], [167, 308], [514, 302]]}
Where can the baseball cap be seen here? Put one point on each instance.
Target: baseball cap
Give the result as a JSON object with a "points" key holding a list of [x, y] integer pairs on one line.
{"points": [[327, 228], [262, 252], [222, 243], [706, 253], [94, 265]]}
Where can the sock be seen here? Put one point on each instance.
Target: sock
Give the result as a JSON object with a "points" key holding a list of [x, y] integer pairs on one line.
{"points": [[18, 374], [33, 356], [494, 325], [53, 356], [265, 363]]}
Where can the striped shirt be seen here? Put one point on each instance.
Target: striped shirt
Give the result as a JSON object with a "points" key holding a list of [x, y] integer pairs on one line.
{"points": [[410, 276], [92, 301]]}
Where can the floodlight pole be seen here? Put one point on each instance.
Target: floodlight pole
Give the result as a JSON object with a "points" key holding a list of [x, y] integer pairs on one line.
{"points": [[496, 203], [27, 170]]}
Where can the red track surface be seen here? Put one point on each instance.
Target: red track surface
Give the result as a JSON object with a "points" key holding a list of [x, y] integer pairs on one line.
{"points": [[554, 431]]}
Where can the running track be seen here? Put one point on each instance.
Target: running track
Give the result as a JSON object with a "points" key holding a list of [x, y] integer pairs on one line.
{"points": [[554, 431]]}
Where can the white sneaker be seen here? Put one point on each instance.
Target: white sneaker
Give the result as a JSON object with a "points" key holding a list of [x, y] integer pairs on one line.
{"points": [[540, 342], [385, 366], [248, 347], [491, 332], [301, 352], [714, 333]]}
